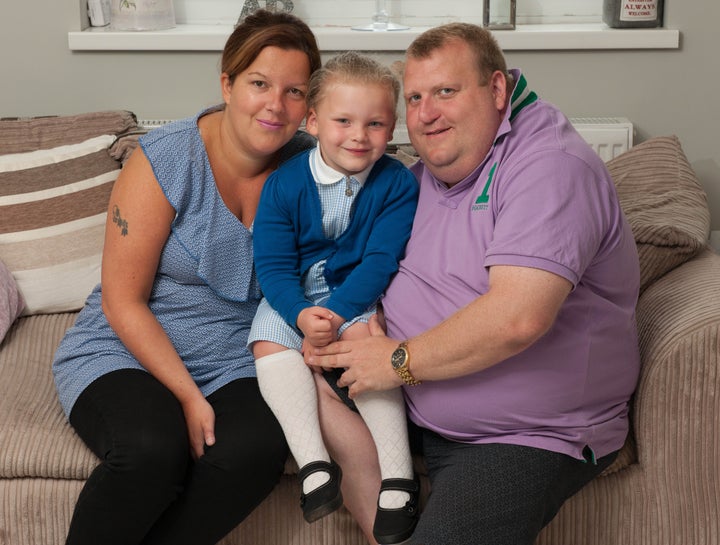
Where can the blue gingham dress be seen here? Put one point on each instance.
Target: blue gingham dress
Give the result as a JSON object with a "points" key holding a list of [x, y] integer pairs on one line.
{"points": [[336, 207]]}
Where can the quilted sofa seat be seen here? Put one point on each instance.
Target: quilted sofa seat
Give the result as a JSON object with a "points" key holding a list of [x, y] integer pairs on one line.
{"points": [[664, 489]]}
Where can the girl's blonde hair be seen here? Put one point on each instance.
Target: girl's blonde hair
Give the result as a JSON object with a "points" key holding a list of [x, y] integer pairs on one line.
{"points": [[351, 67]]}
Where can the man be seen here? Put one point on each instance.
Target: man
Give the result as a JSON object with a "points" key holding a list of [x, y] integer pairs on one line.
{"points": [[515, 301]]}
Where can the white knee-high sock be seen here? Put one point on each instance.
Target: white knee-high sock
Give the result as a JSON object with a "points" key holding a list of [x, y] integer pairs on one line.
{"points": [[288, 387], [384, 415]]}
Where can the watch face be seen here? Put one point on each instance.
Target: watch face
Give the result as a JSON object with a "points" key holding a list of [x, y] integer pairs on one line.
{"points": [[398, 358]]}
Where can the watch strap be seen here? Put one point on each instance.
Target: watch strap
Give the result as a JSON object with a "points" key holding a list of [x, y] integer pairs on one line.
{"points": [[404, 370]]}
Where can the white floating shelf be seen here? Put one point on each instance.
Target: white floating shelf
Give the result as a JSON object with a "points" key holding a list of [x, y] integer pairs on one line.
{"points": [[590, 36]]}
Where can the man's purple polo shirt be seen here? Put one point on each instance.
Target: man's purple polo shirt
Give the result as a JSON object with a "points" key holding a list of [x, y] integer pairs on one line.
{"points": [[541, 198]]}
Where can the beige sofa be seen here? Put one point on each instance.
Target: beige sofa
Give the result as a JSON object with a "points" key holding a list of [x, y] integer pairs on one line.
{"points": [[663, 490]]}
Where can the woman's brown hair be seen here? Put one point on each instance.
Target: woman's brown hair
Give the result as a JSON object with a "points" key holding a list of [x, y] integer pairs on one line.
{"points": [[263, 29]]}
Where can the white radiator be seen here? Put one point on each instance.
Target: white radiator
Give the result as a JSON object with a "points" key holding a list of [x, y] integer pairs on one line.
{"points": [[608, 136]]}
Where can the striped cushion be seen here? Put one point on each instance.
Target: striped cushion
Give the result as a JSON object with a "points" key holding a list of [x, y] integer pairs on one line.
{"points": [[52, 219]]}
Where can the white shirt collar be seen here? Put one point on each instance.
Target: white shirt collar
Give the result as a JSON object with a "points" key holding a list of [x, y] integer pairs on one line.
{"points": [[325, 174]]}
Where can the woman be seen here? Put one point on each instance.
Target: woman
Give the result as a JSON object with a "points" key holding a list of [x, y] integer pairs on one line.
{"points": [[155, 376]]}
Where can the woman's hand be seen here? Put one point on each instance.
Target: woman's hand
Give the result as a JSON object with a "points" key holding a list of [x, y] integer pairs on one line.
{"points": [[200, 421]]}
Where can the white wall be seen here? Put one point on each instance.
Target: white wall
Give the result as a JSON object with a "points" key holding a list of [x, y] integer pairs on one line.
{"points": [[662, 91]]}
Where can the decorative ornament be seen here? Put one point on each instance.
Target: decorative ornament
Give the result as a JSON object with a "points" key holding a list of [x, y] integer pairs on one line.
{"points": [[251, 6], [381, 20]]}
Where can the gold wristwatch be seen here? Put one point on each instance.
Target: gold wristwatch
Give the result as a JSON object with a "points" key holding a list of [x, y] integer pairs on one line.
{"points": [[400, 361]]}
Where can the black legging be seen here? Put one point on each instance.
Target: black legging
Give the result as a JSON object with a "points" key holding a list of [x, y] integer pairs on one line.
{"points": [[148, 490]]}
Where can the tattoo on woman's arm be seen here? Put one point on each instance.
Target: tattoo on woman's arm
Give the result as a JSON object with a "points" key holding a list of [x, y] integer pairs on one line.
{"points": [[121, 223]]}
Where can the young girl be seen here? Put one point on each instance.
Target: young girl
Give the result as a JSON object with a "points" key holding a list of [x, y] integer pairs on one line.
{"points": [[332, 224]]}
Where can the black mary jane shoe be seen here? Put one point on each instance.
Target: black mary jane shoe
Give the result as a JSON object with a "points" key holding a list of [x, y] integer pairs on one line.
{"points": [[326, 498], [397, 525]]}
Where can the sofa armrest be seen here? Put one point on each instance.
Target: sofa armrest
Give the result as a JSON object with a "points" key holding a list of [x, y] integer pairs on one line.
{"points": [[677, 402]]}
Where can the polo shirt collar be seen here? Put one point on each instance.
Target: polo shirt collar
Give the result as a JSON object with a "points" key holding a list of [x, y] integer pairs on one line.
{"points": [[326, 175], [522, 96]]}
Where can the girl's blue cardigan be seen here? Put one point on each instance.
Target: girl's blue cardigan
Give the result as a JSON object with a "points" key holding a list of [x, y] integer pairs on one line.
{"points": [[288, 237]]}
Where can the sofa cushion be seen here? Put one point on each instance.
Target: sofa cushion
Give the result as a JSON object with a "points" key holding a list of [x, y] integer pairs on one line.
{"points": [[53, 204], [11, 300], [36, 439], [664, 204]]}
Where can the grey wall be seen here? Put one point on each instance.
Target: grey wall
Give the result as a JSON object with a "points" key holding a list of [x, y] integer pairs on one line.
{"points": [[662, 91]]}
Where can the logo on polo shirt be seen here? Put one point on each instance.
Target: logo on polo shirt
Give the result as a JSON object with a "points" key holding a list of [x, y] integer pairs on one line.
{"points": [[481, 203]]}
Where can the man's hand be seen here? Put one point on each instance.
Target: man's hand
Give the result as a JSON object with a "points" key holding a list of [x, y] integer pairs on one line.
{"points": [[366, 361]]}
